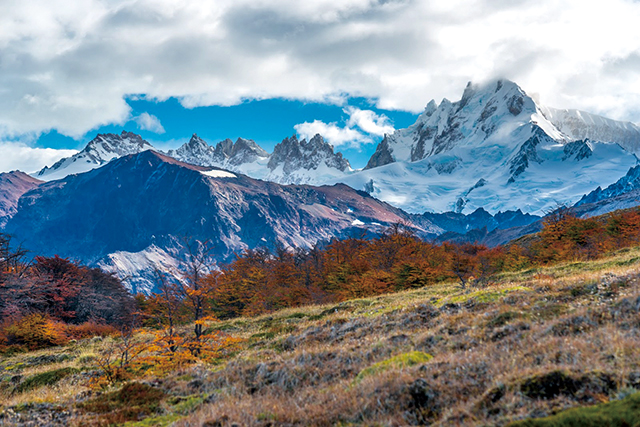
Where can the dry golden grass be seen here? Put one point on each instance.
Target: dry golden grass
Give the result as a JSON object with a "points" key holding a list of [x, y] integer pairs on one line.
{"points": [[298, 366]]}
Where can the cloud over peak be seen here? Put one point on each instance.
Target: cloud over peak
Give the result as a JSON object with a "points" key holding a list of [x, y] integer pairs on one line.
{"points": [[19, 156], [361, 128], [146, 121]]}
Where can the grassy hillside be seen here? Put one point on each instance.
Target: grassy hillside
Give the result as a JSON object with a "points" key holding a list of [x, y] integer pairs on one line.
{"points": [[529, 345]]}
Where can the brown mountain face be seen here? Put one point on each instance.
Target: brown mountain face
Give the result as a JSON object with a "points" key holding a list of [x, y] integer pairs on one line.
{"points": [[151, 200], [12, 186]]}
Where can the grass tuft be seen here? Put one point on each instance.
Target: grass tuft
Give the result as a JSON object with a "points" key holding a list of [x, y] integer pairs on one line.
{"points": [[404, 360], [44, 379]]}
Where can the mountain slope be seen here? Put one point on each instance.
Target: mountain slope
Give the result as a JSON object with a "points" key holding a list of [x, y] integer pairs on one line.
{"points": [[12, 186], [364, 351], [132, 213], [493, 149], [582, 125]]}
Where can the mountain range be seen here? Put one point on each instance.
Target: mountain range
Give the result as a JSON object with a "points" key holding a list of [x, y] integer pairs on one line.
{"points": [[293, 161], [484, 168], [139, 212], [496, 148]]}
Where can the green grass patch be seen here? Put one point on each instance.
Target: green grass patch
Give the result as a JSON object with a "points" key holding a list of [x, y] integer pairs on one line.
{"points": [[263, 336], [400, 361], [45, 378], [626, 262], [484, 296], [295, 316], [16, 367], [186, 405], [619, 413], [159, 421]]}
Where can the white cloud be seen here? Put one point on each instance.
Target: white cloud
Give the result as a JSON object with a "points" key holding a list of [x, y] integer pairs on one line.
{"points": [[332, 133], [369, 121], [149, 122], [19, 156], [67, 65]]}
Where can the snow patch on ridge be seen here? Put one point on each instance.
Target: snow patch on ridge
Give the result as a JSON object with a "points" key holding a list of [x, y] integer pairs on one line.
{"points": [[218, 174], [137, 270]]}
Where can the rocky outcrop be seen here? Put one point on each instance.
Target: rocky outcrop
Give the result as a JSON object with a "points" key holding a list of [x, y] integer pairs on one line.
{"points": [[526, 155], [382, 155], [577, 150], [292, 155]]}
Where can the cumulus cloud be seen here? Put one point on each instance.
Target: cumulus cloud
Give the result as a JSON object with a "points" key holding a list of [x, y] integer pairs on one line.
{"points": [[68, 65], [149, 122], [17, 155], [369, 121], [361, 128], [332, 133]]}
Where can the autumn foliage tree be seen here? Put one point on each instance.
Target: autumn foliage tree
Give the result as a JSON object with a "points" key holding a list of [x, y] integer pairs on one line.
{"points": [[51, 299]]}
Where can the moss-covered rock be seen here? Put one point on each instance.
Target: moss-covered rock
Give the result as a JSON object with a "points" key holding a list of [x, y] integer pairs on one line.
{"points": [[619, 413], [132, 402], [400, 361]]}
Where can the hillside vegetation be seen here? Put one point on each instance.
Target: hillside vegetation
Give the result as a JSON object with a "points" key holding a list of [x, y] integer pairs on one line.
{"points": [[391, 331], [531, 344]]}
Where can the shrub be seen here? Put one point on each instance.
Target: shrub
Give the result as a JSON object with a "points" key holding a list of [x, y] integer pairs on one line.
{"points": [[549, 385], [36, 331], [89, 329]]}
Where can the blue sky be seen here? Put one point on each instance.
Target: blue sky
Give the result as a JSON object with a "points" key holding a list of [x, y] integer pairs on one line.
{"points": [[267, 122]]}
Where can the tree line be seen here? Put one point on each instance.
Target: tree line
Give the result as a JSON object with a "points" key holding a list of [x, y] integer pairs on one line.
{"points": [[261, 281], [50, 300], [57, 299]]}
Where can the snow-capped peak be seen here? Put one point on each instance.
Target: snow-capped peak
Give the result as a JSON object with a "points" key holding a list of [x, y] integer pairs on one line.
{"points": [[292, 159], [100, 150], [195, 143], [226, 154], [246, 151], [484, 114], [495, 148], [105, 147], [196, 152]]}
